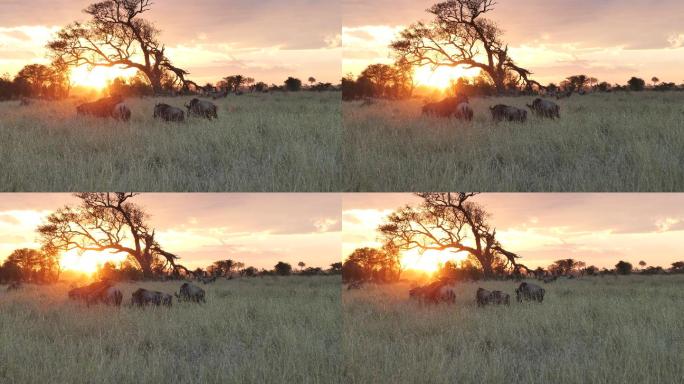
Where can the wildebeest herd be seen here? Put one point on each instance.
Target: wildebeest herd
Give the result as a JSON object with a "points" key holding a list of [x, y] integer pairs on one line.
{"points": [[105, 292], [441, 291], [459, 107], [115, 108]]}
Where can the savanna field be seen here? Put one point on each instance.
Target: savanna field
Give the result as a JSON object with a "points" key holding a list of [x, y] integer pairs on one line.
{"points": [[603, 142], [591, 330], [258, 330], [261, 142]]}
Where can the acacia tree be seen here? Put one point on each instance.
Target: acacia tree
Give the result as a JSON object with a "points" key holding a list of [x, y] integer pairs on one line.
{"points": [[459, 35], [107, 222], [448, 221], [117, 35]]}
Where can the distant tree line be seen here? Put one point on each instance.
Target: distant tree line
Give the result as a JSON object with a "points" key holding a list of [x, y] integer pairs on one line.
{"points": [[384, 81], [51, 82], [228, 269]]}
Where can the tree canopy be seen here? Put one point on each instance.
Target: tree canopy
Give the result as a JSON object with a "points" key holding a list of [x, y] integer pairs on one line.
{"points": [[107, 222], [448, 222], [117, 35], [460, 35]]}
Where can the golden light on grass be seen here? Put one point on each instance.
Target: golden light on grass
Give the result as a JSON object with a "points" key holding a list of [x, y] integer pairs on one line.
{"points": [[430, 261], [98, 77], [441, 77], [89, 261]]}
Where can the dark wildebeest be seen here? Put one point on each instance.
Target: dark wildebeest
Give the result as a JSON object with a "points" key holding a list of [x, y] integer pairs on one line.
{"points": [[202, 108], [14, 286], [144, 297], [482, 297], [529, 291], [168, 113], [121, 112], [100, 108], [112, 296], [191, 292], [498, 297], [502, 112], [93, 293], [435, 292], [447, 107], [355, 285], [545, 108]]}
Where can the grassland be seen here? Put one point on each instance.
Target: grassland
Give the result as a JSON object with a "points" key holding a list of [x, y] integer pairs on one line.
{"points": [[593, 330], [261, 142], [261, 330], [603, 142]]}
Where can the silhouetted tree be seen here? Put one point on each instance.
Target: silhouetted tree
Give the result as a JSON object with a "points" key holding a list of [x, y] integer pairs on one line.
{"points": [[106, 222], [655, 80], [283, 269], [447, 221], [623, 267], [292, 84], [301, 265], [577, 82], [260, 86], [235, 82], [312, 81], [677, 267], [249, 271], [117, 35], [351, 271], [335, 268], [636, 84], [459, 35], [32, 265]]}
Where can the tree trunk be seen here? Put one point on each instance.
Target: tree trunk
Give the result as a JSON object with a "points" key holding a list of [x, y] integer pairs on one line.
{"points": [[146, 267]]}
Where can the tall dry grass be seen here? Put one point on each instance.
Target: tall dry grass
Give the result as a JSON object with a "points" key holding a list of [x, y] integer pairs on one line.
{"points": [[603, 142], [260, 330], [593, 330], [261, 142]]}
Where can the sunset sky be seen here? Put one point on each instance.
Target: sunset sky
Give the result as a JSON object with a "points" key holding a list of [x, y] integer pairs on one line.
{"points": [[611, 40], [599, 229], [257, 229], [267, 40]]}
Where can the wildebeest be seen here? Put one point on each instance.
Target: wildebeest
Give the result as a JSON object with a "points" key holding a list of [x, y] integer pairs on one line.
{"points": [[207, 280], [550, 279], [143, 297], [202, 108], [498, 297], [502, 112], [463, 111], [191, 292], [14, 286], [121, 112], [563, 94], [482, 297], [98, 291], [101, 108], [545, 108], [112, 296], [168, 113], [528, 291], [447, 107], [355, 285], [435, 292]]}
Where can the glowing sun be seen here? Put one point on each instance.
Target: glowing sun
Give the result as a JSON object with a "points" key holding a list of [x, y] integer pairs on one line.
{"points": [[429, 261], [89, 261], [441, 77], [98, 77]]}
